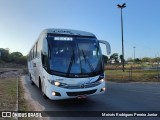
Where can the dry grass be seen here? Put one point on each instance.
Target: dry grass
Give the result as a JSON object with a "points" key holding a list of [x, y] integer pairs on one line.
{"points": [[137, 76], [8, 94], [21, 100]]}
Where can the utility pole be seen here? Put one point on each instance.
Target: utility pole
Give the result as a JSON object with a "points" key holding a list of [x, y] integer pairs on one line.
{"points": [[121, 7], [134, 53]]}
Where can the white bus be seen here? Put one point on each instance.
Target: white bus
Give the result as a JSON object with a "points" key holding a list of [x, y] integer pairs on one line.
{"points": [[66, 63]]}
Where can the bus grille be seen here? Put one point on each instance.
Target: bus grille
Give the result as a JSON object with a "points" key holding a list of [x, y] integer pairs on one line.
{"points": [[88, 85], [81, 93]]}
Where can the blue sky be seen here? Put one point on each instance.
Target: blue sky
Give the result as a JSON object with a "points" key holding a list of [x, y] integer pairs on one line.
{"points": [[22, 21]]}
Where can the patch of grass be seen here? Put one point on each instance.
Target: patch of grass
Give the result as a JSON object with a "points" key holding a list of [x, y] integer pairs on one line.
{"points": [[8, 94], [21, 100], [137, 76]]}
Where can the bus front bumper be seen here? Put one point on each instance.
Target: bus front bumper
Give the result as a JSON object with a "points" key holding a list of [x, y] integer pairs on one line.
{"points": [[58, 93]]}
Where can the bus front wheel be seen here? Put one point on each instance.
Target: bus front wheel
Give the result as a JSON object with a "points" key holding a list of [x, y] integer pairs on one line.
{"points": [[41, 88]]}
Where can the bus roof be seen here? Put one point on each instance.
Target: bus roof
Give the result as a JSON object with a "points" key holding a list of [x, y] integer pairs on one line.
{"points": [[67, 32]]}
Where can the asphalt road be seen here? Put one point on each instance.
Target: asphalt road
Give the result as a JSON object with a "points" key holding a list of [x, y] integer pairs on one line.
{"points": [[118, 97]]}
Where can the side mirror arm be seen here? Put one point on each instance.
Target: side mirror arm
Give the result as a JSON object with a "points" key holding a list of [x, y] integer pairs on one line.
{"points": [[108, 47]]}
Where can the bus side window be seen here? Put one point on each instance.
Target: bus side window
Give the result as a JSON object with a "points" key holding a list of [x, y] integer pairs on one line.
{"points": [[38, 49], [45, 53], [35, 50], [32, 54]]}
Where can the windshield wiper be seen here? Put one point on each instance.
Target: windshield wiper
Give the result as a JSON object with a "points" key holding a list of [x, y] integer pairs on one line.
{"points": [[71, 63], [79, 57], [90, 65]]}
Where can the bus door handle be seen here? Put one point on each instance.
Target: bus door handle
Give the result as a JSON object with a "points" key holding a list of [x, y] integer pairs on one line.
{"points": [[34, 64]]}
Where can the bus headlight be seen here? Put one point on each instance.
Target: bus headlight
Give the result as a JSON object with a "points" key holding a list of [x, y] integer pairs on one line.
{"points": [[56, 83], [53, 93], [102, 80]]}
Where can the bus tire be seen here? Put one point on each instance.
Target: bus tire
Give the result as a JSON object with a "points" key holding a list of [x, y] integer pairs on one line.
{"points": [[30, 77], [40, 87]]}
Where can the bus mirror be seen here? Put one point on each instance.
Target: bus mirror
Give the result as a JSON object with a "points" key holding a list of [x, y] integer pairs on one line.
{"points": [[108, 47]]}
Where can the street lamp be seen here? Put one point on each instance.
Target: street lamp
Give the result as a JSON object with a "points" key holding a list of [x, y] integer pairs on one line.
{"points": [[121, 7]]}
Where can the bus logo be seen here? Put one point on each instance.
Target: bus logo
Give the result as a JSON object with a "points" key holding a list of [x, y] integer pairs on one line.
{"points": [[76, 76]]}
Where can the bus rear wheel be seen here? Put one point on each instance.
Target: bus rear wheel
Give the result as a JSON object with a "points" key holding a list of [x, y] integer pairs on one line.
{"points": [[30, 77]]}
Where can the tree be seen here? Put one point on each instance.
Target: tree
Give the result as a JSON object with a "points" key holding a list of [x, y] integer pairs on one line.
{"points": [[4, 54], [137, 60], [15, 57], [114, 57], [105, 59], [156, 60], [146, 59], [22, 60]]}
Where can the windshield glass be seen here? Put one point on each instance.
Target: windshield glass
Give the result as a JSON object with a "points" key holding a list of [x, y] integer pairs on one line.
{"points": [[77, 56]]}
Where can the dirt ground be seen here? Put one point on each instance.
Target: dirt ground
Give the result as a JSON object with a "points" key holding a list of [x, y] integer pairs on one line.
{"points": [[34, 105], [10, 74]]}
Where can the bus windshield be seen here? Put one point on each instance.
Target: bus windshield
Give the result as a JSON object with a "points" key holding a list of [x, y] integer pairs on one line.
{"points": [[74, 57]]}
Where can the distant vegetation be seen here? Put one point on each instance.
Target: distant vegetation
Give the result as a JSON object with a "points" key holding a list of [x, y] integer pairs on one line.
{"points": [[14, 57], [115, 58], [18, 58]]}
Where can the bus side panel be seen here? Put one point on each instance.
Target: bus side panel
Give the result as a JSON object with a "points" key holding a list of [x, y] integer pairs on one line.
{"points": [[39, 59], [30, 66], [38, 70]]}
